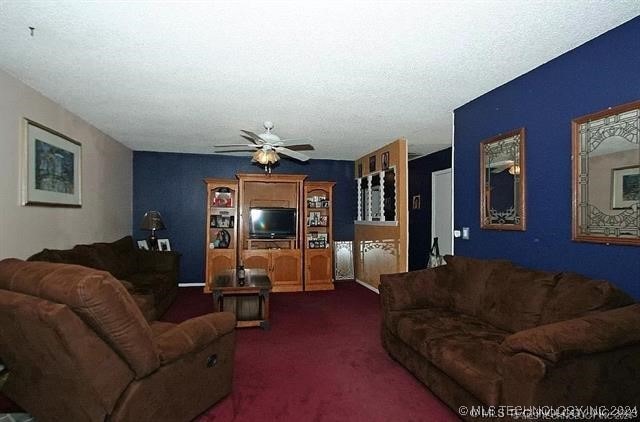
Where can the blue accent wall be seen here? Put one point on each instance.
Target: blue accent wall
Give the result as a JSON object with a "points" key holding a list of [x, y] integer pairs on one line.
{"points": [[173, 184], [601, 73], [420, 171]]}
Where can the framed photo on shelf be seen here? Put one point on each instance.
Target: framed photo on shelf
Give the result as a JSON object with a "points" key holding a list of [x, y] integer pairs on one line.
{"points": [[51, 167], [163, 245], [142, 244], [222, 199], [314, 218]]}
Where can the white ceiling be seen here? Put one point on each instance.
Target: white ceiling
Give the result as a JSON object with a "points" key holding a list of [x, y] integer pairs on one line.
{"points": [[352, 76]]}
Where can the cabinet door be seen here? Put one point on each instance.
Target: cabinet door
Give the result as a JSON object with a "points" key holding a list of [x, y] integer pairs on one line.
{"points": [[286, 271], [318, 270], [218, 261], [257, 259]]}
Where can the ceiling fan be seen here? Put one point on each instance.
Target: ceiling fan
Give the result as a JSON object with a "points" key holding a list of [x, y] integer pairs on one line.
{"points": [[267, 146]]}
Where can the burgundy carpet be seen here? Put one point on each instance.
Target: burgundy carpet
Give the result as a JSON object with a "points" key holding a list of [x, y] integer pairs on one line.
{"points": [[322, 360]]}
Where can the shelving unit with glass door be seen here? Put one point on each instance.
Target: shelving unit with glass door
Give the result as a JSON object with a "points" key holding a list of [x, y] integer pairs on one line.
{"points": [[318, 235], [221, 230]]}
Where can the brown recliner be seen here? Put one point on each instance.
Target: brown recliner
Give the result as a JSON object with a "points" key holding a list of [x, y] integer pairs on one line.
{"points": [[79, 349]]}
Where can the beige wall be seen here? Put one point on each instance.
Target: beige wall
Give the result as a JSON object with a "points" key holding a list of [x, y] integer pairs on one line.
{"points": [[106, 179]]}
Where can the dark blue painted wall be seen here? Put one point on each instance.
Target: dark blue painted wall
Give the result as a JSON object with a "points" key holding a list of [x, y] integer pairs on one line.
{"points": [[604, 72], [172, 184], [420, 220]]}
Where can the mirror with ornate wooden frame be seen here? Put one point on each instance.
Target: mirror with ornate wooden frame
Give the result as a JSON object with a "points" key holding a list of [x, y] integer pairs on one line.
{"points": [[502, 182], [606, 176]]}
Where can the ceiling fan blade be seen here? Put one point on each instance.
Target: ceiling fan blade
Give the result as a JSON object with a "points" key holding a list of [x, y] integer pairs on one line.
{"points": [[235, 147], [254, 138], [250, 139], [296, 139], [292, 154], [301, 147]]}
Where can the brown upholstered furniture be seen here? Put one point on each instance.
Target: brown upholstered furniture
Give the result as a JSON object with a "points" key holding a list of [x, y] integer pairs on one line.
{"points": [[150, 276], [481, 332], [78, 349]]}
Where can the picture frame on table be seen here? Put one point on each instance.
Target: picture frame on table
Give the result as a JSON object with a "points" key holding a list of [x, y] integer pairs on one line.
{"points": [[143, 244], [164, 245], [625, 187], [51, 167]]}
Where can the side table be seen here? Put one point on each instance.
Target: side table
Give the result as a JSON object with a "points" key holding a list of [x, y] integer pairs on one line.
{"points": [[255, 283]]}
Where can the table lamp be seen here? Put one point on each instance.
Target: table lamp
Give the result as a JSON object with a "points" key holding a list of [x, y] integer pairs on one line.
{"points": [[152, 221]]}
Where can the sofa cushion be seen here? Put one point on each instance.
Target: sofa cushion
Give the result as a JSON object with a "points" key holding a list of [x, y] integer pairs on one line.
{"points": [[160, 284], [469, 280], [101, 257], [473, 362], [514, 300], [576, 295], [101, 302], [463, 346], [64, 256], [126, 253]]}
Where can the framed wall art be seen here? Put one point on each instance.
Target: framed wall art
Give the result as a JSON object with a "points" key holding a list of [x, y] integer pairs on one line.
{"points": [[385, 160], [51, 167]]}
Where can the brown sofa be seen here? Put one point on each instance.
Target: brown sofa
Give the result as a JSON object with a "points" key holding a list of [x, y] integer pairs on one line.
{"points": [[480, 332], [150, 276], [78, 349]]}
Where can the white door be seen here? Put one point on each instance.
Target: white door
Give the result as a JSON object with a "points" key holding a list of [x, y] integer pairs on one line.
{"points": [[441, 211]]}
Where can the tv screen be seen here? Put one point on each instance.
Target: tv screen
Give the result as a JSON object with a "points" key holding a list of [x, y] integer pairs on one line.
{"points": [[272, 223]]}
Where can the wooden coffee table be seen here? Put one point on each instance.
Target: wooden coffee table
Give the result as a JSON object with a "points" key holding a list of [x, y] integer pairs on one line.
{"points": [[255, 283]]}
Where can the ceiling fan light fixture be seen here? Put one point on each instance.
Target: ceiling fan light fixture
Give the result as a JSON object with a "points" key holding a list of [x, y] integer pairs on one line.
{"points": [[265, 157], [272, 157]]}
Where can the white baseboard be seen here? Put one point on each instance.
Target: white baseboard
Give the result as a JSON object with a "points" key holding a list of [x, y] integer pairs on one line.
{"points": [[368, 286], [190, 284]]}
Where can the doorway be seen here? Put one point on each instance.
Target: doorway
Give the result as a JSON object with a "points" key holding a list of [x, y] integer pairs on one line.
{"points": [[420, 194], [441, 210]]}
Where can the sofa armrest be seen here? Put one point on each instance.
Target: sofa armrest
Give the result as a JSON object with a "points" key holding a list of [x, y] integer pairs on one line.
{"points": [[599, 332], [193, 335], [415, 289], [156, 261]]}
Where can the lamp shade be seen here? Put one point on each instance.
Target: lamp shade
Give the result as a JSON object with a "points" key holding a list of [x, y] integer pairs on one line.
{"points": [[152, 221], [265, 157]]}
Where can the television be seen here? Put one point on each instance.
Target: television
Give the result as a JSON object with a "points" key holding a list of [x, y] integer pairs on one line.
{"points": [[272, 223]]}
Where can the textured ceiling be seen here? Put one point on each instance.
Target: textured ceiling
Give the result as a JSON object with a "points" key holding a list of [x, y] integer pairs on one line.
{"points": [[352, 76]]}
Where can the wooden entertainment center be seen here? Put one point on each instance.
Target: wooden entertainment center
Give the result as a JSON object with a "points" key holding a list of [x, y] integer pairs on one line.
{"points": [[303, 261]]}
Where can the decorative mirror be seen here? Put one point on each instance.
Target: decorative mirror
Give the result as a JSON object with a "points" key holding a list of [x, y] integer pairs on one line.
{"points": [[606, 176], [502, 182]]}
